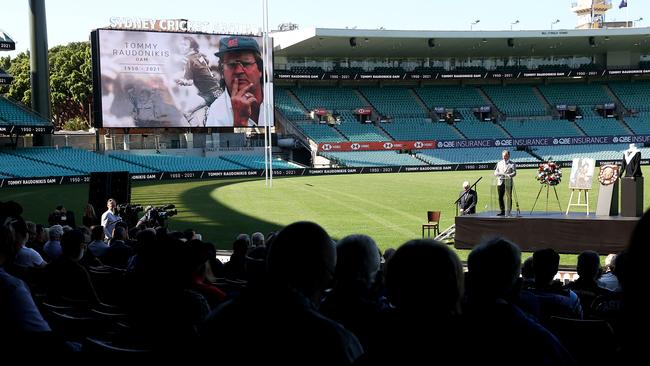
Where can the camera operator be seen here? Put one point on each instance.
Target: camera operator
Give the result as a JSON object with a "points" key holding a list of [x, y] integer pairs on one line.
{"points": [[61, 216], [157, 216], [109, 218]]}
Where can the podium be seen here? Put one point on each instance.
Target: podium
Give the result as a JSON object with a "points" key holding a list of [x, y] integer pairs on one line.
{"points": [[631, 196], [507, 197], [607, 200]]}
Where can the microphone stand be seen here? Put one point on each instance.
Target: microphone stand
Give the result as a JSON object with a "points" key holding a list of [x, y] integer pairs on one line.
{"points": [[465, 193], [514, 192]]}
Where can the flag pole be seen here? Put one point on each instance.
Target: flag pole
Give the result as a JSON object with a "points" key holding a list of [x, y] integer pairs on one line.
{"points": [[268, 97]]}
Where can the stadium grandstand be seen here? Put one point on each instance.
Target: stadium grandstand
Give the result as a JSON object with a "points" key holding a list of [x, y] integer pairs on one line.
{"points": [[541, 93]]}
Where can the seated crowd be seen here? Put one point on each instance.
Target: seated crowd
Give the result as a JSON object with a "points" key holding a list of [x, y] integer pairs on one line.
{"points": [[296, 296]]}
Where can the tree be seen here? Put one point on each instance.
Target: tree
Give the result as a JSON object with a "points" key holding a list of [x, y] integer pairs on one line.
{"points": [[20, 88], [70, 82]]}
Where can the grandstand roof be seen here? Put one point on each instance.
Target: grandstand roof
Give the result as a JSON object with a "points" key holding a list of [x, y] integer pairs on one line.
{"points": [[6, 43], [16, 119], [327, 42], [5, 78]]}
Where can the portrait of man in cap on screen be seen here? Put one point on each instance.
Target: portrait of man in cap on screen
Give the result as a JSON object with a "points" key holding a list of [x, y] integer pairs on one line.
{"points": [[241, 68]]}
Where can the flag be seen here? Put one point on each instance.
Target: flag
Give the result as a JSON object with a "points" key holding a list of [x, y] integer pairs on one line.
{"points": [[623, 4]]}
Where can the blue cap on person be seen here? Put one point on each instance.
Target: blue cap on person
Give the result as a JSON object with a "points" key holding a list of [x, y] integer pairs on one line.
{"points": [[237, 43]]}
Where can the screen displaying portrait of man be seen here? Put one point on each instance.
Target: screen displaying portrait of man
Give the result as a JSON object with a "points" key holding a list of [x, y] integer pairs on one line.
{"points": [[169, 79]]}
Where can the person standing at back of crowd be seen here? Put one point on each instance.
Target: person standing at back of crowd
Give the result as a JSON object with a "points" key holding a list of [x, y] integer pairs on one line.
{"points": [[109, 218], [505, 171], [241, 65]]}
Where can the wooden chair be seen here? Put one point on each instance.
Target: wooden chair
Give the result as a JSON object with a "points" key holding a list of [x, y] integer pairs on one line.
{"points": [[433, 222]]}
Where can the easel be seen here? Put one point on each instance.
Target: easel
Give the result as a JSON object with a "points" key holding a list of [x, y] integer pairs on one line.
{"points": [[586, 191], [547, 189]]}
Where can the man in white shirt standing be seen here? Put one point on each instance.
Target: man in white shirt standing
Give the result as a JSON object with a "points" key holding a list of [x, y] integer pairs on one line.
{"points": [[109, 218], [505, 171]]}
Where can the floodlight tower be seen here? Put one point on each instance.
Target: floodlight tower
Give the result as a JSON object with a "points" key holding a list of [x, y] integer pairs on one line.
{"points": [[591, 13]]}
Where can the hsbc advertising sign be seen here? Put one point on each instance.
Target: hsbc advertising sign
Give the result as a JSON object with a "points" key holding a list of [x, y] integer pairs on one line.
{"points": [[376, 146]]}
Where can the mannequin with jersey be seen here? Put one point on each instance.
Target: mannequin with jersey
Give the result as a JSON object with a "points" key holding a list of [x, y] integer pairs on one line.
{"points": [[631, 165]]}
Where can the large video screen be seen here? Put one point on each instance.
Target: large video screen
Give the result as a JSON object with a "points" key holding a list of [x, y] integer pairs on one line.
{"points": [[161, 79]]}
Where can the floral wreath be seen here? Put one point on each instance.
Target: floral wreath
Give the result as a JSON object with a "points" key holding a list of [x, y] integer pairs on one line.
{"points": [[549, 173], [608, 174]]}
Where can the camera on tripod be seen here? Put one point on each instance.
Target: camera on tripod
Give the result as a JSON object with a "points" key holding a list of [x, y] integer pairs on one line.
{"points": [[157, 216], [129, 213]]}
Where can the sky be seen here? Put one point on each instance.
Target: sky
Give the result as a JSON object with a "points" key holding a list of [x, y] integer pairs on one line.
{"points": [[72, 20]]}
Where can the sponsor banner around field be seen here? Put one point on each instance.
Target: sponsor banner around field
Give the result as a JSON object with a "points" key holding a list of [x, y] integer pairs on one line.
{"points": [[22, 130], [374, 145], [543, 141], [15, 182], [52, 180], [524, 74]]}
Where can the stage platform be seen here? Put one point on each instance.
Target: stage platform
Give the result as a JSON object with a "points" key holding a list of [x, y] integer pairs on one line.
{"points": [[571, 233]]}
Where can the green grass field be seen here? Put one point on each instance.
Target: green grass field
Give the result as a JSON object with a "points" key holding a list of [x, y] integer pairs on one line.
{"points": [[389, 207]]}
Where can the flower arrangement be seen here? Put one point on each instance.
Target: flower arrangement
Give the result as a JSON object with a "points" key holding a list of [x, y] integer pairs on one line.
{"points": [[549, 173]]}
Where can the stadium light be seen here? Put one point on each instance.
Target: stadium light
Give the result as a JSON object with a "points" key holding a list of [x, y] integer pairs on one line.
{"points": [[472, 24], [514, 23], [554, 22]]}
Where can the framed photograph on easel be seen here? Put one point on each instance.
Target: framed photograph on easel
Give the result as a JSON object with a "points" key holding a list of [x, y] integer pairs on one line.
{"points": [[582, 173]]}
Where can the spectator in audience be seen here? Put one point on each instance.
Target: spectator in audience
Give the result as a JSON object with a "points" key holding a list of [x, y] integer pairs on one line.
{"points": [[610, 306], [586, 286], [66, 279], [10, 209], [52, 248], [166, 310], [197, 259], [554, 300], [89, 218], [119, 252], [110, 218], [634, 278], [37, 237], [97, 245], [23, 327], [388, 254], [301, 263], [235, 268], [499, 331], [608, 279], [190, 234], [241, 67], [351, 302], [257, 239], [527, 273], [424, 279], [245, 237], [26, 257]]}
